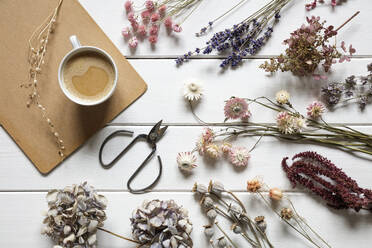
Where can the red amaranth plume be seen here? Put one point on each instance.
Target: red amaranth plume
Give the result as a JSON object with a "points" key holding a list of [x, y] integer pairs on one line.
{"points": [[323, 178]]}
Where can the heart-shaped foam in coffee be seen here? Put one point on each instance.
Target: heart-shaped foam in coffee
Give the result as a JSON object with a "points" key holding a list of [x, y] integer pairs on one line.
{"points": [[92, 82]]}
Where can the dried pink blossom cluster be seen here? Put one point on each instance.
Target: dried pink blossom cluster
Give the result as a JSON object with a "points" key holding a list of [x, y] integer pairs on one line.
{"points": [[323, 178], [313, 4], [308, 47], [151, 18], [208, 146]]}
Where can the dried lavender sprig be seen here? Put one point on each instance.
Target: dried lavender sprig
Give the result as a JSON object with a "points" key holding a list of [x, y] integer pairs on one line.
{"points": [[243, 38], [357, 88]]}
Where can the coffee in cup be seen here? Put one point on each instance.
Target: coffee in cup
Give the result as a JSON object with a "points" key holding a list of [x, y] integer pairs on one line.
{"points": [[87, 75]]}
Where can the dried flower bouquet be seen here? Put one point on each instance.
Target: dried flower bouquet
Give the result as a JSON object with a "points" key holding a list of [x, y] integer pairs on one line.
{"points": [[147, 19], [216, 201], [290, 125], [244, 38], [308, 47], [38, 44]]}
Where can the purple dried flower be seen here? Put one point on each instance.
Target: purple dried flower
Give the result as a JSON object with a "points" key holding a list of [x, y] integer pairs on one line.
{"points": [[323, 178]]}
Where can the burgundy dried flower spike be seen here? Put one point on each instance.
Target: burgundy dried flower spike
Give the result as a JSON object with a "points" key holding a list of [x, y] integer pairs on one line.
{"points": [[323, 178]]}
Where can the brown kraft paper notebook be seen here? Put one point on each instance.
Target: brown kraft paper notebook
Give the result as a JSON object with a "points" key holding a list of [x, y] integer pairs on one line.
{"points": [[75, 123]]}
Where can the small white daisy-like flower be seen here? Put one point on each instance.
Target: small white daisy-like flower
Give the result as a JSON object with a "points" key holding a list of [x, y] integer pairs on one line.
{"points": [[193, 91], [186, 161], [282, 97], [212, 150], [300, 123]]}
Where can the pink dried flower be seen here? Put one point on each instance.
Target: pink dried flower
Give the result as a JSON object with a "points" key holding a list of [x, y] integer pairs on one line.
{"points": [[236, 108], [133, 42], [131, 17], [206, 138], [154, 30], [208, 135], [315, 109], [239, 156], [145, 15], [285, 122], [135, 25], [126, 32], [128, 6], [153, 39], [168, 22], [142, 30], [351, 49], [150, 5], [155, 17], [162, 9], [226, 147], [177, 28]]}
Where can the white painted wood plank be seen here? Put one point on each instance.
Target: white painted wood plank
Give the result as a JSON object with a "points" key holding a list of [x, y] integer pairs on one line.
{"points": [[17, 173], [110, 16], [164, 98], [20, 215]]}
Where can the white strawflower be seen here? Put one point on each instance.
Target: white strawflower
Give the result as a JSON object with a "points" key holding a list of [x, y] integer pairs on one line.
{"points": [[300, 123], [213, 151], [186, 161], [193, 91], [282, 97]]}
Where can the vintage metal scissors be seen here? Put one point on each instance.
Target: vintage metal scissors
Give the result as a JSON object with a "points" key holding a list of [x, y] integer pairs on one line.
{"points": [[151, 138]]}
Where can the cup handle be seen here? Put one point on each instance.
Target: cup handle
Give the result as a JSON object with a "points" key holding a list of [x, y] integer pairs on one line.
{"points": [[75, 42]]}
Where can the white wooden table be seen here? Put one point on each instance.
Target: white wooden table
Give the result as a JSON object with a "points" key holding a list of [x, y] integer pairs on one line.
{"points": [[23, 189]]}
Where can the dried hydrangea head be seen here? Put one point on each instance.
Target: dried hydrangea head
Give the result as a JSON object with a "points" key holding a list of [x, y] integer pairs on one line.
{"points": [[282, 97], [159, 224], [193, 91], [74, 215], [186, 161]]}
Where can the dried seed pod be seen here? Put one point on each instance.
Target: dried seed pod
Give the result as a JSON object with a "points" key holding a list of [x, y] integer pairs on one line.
{"points": [[286, 213], [261, 223], [74, 215], [162, 224]]}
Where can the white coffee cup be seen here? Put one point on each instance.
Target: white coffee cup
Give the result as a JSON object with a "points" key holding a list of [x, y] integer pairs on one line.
{"points": [[77, 48]]}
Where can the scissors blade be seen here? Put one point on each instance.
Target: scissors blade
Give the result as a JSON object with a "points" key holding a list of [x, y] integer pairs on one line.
{"points": [[156, 132]]}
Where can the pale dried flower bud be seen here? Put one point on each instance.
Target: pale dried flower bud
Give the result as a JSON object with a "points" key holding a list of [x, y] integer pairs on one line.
{"points": [[208, 230], [261, 223], [276, 194], [282, 97], [222, 242], [207, 202], [286, 213], [236, 228], [200, 188], [211, 213], [216, 187]]}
